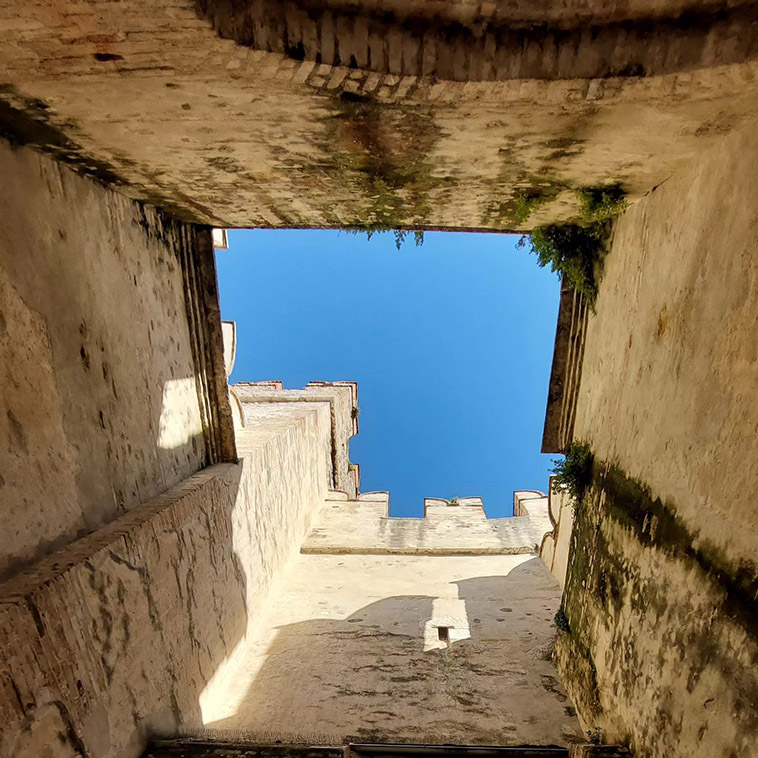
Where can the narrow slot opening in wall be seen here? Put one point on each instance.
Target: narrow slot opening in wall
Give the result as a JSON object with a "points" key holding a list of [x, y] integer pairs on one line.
{"points": [[443, 634]]}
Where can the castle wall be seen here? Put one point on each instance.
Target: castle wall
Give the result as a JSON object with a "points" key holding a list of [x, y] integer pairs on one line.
{"points": [[385, 114], [350, 648], [663, 577], [99, 398], [342, 398], [129, 631], [364, 526]]}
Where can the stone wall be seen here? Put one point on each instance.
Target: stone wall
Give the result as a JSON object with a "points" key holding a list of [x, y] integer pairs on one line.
{"points": [[364, 526], [555, 548], [385, 114], [129, 631], [454, 41], [663, 577], [352, 649], [259, 399], [105, 395]]}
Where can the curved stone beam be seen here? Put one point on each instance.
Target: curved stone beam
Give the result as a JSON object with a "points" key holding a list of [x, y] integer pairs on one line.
{"points": [[452, 46]]}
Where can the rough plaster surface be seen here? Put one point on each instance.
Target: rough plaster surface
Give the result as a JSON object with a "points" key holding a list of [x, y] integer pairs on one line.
{"points": [[124, 632], [671, 356], [363, 526], [146, 94], [555, 549], [98, 399], [662, 652], [349, 648], [663, 600]]}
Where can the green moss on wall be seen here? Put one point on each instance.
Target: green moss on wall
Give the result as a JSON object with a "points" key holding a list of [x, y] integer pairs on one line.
{"points": [[383, 152], [644, 595]]}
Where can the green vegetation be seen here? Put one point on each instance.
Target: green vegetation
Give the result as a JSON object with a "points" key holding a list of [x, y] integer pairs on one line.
{"points": [[601, 203], [350, 466], [355, 412], [527, 201], [379, 154], [573, 251], [561, 621], [574, 473], [400, 235], [453, 501]]}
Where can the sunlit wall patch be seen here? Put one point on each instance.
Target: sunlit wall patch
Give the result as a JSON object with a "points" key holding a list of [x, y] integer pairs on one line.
{"points": [[448, 624]]}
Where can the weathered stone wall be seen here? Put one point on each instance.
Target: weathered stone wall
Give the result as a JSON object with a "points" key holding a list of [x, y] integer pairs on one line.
{"points": [[493, 126], [555, 549], [459, 41], [663, 576], [670, 365], [261, 398], [128, 631], [351, 649], [662, 645], [99, 389], [364, 526]]}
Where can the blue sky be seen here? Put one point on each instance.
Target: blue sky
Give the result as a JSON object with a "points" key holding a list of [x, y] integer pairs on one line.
{"points": [[450, 343]]}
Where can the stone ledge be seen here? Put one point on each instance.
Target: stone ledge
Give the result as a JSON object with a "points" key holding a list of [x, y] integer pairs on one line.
{"points": [[565, 374], [206, 333], [174, 500]]}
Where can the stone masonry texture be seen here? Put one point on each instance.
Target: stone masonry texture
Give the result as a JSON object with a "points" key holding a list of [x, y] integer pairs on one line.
{"points": [[425, 115], [663, 577], [99, 405], [118, 636]]}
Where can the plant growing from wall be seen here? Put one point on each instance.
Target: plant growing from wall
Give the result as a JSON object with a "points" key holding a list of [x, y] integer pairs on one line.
{"points": [[601, 203], [355, 412], [573, 474], [400, 234], [453, 501], [573, 251], [528, 200], [561, 621]]}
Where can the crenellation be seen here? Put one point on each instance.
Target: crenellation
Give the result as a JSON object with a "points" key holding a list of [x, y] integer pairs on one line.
{"points": [[364, 526], [342, 399]]}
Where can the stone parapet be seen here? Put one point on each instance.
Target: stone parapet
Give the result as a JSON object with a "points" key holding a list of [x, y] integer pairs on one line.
{"points": [[130, 630], [342, 398], [364, 526]]}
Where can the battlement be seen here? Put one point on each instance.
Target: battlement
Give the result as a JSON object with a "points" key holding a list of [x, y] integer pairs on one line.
{"points": [[256, 399], [363, 526], [355, 522]]}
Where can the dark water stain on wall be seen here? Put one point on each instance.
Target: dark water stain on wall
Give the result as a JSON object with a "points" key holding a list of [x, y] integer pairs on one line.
{"points": [[662, 627]]}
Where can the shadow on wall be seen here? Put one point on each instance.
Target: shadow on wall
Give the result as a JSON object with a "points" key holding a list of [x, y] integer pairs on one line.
{"points": [[374, 677], [156, 613], [99, 404]]}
